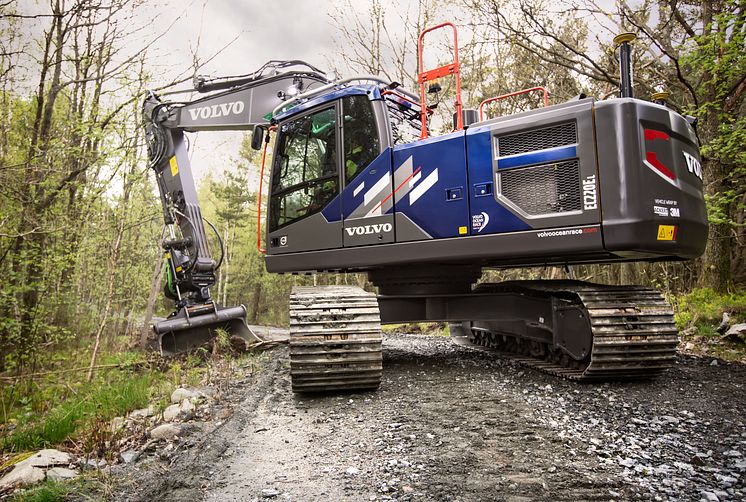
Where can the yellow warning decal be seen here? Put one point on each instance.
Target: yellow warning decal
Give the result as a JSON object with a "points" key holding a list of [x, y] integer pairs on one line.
{"points": [[462, 230], [666, 232], [174, 166]]}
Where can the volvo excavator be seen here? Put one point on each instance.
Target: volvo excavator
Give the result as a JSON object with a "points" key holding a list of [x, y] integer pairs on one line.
{"points": [[359, 183]]}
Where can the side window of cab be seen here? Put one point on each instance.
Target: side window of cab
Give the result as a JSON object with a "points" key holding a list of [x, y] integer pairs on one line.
{"points": [[361, 143]]}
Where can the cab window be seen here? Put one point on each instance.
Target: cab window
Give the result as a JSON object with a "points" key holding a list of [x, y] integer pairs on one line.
{"points": [[361, 144], [305, 176]]}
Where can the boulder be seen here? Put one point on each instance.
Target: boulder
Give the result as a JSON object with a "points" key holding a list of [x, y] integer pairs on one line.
{"points": [[165, 431], [736, 333], [23, 474], [47, 458], [183, 410], [182, 393], [143, 413], [171, 412], [61, 474]]}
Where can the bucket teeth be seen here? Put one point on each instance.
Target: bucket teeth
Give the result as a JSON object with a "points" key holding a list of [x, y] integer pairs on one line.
{"points": [[335, 339]]}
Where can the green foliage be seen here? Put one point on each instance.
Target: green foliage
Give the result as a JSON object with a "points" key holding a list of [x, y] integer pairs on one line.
{"points": [[704, 307], [107, 397], [48, 491]]}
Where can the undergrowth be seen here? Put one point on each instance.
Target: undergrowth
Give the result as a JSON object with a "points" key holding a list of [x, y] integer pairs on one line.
{"points": [[698, 315], [48, 491]]}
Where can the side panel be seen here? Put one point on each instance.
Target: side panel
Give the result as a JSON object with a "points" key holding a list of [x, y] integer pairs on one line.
{"points": [[367, 205], [430, 186], [534, 170], [651, 180]]}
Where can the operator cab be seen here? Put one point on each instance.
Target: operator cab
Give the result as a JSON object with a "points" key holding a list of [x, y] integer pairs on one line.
{"points": [[323, 147]]}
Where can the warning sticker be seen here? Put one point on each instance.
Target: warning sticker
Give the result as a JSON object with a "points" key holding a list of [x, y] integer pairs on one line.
{"points": [[666, 232], [174, 166]]}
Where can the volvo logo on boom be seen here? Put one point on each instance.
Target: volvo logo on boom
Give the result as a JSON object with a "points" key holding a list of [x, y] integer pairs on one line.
{"points": [[216, 111], [369, 229]]}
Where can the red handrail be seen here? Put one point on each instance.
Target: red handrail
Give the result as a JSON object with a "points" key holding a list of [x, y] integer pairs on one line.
{"points": [[448, 69], [259, 198], [510, 95]]}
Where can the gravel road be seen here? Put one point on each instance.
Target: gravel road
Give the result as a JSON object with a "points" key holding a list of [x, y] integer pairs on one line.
{"points": [[452, 423]]}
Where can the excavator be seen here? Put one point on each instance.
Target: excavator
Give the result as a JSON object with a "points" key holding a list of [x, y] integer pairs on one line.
{"points": [[359, 183]]}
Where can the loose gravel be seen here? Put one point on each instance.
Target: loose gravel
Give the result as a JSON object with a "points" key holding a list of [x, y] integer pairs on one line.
{"points": [[458, 424]]}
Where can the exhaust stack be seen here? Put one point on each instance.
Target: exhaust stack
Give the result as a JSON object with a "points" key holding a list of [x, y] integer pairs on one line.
{"points": [[625, 63]]}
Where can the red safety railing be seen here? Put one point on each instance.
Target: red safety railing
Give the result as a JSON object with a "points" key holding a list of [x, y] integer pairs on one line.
{"points": [[510, 95], [259, 197], [442, 71]]}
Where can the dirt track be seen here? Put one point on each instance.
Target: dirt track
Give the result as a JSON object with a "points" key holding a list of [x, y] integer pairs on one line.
{"points": [[451, 423]]}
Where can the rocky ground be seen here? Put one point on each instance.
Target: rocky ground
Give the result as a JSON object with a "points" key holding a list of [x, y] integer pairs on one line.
{"points": [[452, 423]]}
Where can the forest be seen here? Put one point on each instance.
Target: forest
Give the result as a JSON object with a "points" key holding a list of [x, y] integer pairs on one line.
{"points": [[81, 223]]}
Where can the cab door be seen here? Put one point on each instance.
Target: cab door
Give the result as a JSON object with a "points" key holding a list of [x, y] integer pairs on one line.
{"points": [[305, 212], [367, 202]]}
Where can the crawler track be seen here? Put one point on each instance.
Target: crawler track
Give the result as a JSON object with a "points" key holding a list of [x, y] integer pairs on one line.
{"points": [[632, 328], [335, 339]]}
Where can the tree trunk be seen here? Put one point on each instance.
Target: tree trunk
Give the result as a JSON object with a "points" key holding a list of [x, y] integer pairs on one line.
{"points": [[155, 289]]}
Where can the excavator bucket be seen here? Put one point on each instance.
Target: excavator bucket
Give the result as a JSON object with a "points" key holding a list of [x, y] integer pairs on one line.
{"points": [[191, 328]]}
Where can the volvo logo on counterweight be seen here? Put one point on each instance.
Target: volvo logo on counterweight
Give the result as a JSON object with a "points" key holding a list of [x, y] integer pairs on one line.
{"points": [[216, 111], [369, 229]]}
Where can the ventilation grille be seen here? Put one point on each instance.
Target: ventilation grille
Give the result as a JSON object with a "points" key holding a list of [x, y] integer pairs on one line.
{"points": [[537, 139], [544, 189]]}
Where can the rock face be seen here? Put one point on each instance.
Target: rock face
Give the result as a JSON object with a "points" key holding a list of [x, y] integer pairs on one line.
{"points": [[33, 469]]}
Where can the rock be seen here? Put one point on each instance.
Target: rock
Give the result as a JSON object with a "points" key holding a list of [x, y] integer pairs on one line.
{"points": [[713, 363], [710, 497], [165, 431], [172, 412], [689, 332], [736, 333], [352, 471], [61, 474], [22, 475], [48, 458], [91, 463], [143, 413], [269, 493], [184, 411], [724, 323], [129, 456], [181, 394], [117, 424]]}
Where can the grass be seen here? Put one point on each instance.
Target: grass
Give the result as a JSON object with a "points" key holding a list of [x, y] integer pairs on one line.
{"points": [[426, 328], [699, 313], [90, 404], [48, 491]]}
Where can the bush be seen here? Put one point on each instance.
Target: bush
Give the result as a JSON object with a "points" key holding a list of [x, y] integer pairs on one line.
{"points": [[705, 306]]}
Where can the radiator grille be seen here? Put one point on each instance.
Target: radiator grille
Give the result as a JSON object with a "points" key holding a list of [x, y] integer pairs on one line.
{"points": [[544, 189], [537, 139]]}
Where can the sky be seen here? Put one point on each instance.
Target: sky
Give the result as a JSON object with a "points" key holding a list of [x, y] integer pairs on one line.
{"points": [[263, 30]]}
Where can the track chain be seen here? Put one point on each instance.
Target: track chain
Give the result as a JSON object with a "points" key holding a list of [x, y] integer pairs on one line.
{"points": [[634, 334], [335, 339]]}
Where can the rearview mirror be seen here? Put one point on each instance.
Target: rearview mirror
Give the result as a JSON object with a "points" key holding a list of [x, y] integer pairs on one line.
{"points": [[257, 137]]}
